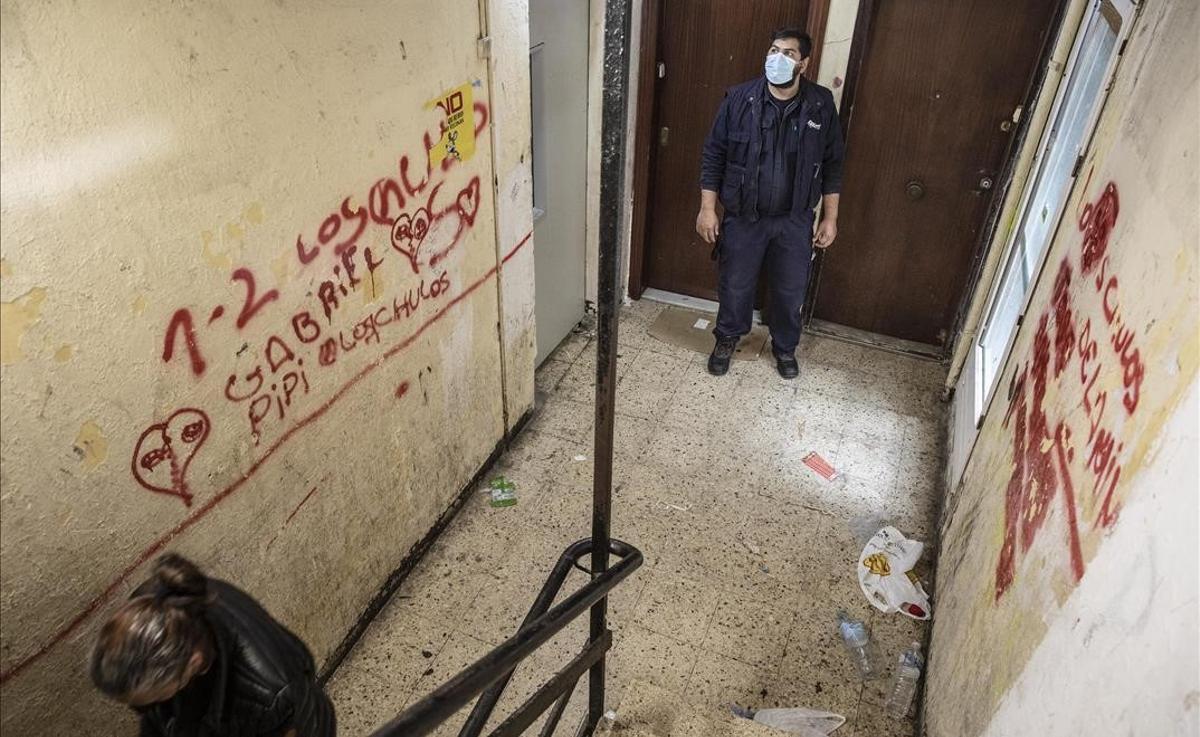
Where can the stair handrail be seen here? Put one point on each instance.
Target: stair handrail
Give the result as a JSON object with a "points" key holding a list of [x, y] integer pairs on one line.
{"points": [[539, 627]]}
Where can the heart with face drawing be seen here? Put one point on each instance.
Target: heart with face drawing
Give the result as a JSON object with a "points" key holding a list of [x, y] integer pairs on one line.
{"points": [[408, 233], [163, 452]]}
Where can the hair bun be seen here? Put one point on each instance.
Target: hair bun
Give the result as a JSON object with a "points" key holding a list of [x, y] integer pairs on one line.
{"points": [[178, 582]]}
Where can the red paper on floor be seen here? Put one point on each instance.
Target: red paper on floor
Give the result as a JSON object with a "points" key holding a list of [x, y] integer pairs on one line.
{"points": [[814, 461]]}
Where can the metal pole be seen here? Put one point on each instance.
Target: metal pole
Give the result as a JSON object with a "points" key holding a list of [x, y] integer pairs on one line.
{"points": [[608, 301]]}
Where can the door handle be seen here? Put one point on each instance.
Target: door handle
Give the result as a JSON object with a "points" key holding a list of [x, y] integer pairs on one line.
{"points": [[915, 189]]}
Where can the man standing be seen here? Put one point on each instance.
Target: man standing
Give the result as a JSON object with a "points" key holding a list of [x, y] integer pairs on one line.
{"points": [[774, 151]]}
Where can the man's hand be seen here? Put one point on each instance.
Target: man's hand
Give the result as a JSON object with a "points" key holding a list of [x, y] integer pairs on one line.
{"points": [[708, 225], [826, 232]]}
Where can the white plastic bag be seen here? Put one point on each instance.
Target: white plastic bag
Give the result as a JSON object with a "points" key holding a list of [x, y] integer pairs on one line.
{"points": [[884, 574], [801, 721]]}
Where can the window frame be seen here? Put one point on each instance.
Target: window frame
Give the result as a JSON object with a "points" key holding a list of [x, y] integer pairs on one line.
{"points": [[1014, 257]]}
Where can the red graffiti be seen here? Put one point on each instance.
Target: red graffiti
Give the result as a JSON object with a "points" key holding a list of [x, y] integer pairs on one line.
{"points": [[388, 197], [304, 253], [182, 320], [251, 306], [164, 451], [466, 206], [1042, 452], [1122, 339], [369, 328], [288, 382], [402, 390], [303, 501], [118, 582], [408, 233], [1064, 323], [1097, 222]]}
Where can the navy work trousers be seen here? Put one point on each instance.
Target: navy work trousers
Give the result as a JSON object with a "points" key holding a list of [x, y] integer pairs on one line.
{"points": [[783, 244]]}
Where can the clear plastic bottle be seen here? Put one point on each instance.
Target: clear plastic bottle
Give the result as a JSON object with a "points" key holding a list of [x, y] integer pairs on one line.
{"points": [[904, 688], [859, 646]]}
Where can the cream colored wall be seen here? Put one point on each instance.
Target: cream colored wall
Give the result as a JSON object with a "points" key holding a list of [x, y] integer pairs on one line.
{"points": [[835, 54], [158, 160], [1093, 626]]}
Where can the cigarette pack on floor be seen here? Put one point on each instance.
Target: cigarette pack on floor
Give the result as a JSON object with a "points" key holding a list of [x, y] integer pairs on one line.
{"points": [[504, 492]]}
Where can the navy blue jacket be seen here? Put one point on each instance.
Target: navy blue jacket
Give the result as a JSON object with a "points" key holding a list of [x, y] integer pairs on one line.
{"points": [[733, 150]]}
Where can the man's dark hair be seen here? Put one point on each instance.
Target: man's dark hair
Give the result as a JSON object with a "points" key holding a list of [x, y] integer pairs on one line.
{"points": [[805, 40]]}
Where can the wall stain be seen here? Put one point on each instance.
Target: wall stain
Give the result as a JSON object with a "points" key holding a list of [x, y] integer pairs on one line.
{"points": [[254, 213], [138, 306], [6, 269], [16, 318], [215, 259], [91, 446], [64, 353]]}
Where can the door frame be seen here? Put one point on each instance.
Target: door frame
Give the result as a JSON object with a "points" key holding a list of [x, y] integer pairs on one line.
{"points": [[859, 48], [643, 149]]}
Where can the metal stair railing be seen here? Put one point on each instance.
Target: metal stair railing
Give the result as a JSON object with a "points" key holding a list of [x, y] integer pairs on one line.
{"points": [[490, 675]]}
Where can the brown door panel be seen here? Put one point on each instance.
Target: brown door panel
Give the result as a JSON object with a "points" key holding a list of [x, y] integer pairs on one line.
{"points": [[938, 79]]}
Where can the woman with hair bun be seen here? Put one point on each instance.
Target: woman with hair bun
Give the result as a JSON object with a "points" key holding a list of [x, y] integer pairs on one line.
{"points": [[197, 656]]}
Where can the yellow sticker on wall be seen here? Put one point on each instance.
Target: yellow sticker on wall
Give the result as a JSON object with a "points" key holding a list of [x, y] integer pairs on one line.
{"points": [[458, 131]]}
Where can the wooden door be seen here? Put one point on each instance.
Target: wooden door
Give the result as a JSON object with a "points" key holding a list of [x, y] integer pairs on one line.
{"points": [[928, 134], [704, 47]]}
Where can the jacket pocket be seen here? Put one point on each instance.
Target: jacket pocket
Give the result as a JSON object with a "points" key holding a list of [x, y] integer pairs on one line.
{"points": [[739, 145]]}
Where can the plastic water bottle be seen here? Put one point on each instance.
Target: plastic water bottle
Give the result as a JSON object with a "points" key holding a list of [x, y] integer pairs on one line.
{"points": [[908, 674], [858, 644]]}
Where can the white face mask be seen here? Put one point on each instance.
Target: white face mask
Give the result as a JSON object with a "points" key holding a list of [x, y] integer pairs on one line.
{"points": [[779, 69]]}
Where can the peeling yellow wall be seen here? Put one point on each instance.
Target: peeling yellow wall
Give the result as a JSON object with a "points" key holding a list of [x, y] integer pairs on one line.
{"points": [[231, 279], [1077, 464]]}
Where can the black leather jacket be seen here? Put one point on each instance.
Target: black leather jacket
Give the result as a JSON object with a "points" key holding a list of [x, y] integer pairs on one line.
{"points": [[263, 682]]}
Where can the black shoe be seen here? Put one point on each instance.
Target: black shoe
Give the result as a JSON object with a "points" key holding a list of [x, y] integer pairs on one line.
{"points": [[718, 360], [787, 365]]}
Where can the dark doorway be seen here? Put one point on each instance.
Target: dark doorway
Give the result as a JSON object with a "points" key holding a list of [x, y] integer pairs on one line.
{"points": [[692, 51], [935, 104]]}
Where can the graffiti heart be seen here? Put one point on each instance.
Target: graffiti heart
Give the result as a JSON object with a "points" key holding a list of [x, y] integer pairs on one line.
{"points": [[408, 233], [164, 451]]}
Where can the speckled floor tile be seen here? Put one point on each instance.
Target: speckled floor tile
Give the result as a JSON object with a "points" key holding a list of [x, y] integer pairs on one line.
{"points": [[564, 419], [639, 653], [573, 346], [874, 721], [549, 374], [398, 647], [678, 607], [459, 652], [438, 589], [752, 632], [719, 681], [749, 554], [363, 702]]}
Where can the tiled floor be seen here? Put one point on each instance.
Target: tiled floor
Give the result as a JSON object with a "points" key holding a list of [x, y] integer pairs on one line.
{"points": [[749, 554]]}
